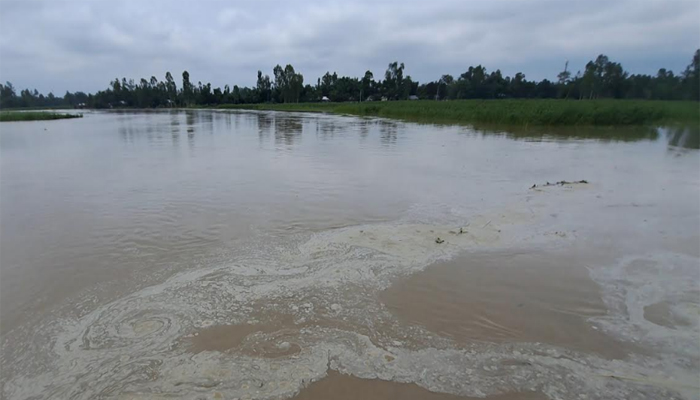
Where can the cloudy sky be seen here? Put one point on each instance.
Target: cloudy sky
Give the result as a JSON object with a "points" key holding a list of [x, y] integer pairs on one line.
{"points": [[72, 45]]}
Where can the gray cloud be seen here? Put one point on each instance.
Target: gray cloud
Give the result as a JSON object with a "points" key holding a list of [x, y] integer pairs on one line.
{"points": [[82, 45]]}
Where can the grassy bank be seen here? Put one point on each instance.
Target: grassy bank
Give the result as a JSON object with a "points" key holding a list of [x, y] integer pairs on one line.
{"points": [[6, 116], [513, 112], [38, 108]]}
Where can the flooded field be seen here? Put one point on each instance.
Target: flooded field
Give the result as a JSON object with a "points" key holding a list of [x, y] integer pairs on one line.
{"points": [[269, 255]]}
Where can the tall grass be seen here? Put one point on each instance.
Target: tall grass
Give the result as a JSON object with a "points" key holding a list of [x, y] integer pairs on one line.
{"points": [[512, 112], [7, 116]]}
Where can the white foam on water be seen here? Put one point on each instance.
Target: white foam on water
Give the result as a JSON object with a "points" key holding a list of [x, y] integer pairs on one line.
{"points": [[132, 347], [637, 282]]}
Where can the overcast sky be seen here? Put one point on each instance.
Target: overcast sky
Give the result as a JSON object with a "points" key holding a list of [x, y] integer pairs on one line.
{"points": [[71, 45]]}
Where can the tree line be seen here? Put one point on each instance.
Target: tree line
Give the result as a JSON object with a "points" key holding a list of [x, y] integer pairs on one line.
{"points": [[600, 78]]}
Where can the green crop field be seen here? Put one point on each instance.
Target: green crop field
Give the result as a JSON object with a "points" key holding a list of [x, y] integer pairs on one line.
{"points": [[513, 112]]}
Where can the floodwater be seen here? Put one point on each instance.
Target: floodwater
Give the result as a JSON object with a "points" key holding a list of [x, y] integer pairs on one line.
{"points": [[263, 255]]}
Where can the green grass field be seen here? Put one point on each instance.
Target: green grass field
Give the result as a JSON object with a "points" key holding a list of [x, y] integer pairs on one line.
{"points": [[7, 116], [512, 112]]}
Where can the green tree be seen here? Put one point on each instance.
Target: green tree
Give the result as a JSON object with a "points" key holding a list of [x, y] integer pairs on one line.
{"points": [[367, 85], [691, 78], [288, 83], [444, 84], [170, 86], [295, 83], [393, 80], [588, 81], [187, 90], [563, 79], [263, 88], [518, 86], [8, 97]]}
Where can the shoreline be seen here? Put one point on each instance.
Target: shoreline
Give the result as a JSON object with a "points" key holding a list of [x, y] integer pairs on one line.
{"points": [[521, 112], [18, 116]]}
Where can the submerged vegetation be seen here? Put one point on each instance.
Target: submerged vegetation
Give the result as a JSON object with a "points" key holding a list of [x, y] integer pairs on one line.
{"points": [[512, 112], [7, 116]]}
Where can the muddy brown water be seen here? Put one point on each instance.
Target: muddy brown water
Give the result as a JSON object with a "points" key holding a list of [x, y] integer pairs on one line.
{"points": [[262, 255], [345, 387], [494, 297], [501, 297]]}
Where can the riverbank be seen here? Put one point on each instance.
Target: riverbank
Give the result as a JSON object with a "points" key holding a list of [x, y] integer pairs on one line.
{"points": [[8, 116], [514, 112]]}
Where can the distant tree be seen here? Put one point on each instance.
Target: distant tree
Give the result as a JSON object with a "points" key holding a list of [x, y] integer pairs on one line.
{"points": [[116, 86], [310, 93], [8, 97], [471, 84], [367, 85], [393, 80], [601, 78], [187, 90], [326, 84], [564, 76], [588, 81], [288, 84], [406, 89], [545, 90], [295, 82], [563, 79], [444, 83], [518, 86], [665, 84], [170, 86], [280, 83], [263, 87], [691, 78], [613, 80]]}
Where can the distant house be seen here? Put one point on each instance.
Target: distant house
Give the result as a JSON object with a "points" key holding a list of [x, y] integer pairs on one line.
{"points": [[325, 99], [170, 103], [80, 105], [384, 98], [413, 97]]}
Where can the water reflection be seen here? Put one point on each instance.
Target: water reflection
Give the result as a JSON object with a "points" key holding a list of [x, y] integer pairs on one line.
{"points": [[622, 134], [130, 133], [175, 121], [175, 128], [125, 134], [228, 120], [680, 136], [287, 129], [327, 129], [264, 121], [388, 132], [687, 137], [190, 121], [206, 121], [363, 127]]}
